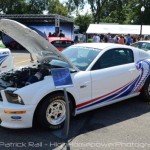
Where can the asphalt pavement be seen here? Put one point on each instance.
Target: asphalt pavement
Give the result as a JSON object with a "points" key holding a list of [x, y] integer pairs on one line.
{"points": [[121, 126]]}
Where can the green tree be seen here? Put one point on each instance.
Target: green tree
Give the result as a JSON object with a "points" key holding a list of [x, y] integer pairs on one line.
{"points": [[83, 22], [96, 8], [70, 7], [113, 11], [75, 6], [35, 6], [32, 7], [134, 9], [13, 7], [116, 11], [55, 7], [146, 19]]}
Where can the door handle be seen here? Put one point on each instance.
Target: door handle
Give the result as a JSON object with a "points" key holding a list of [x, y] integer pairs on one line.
{"points": [[84, 85]]}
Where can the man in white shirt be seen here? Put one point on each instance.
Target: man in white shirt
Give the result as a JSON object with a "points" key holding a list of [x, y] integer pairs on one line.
{"points": [[97, 39], [94, 38]]}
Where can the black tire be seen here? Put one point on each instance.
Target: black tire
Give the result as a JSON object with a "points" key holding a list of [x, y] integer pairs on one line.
{"points": [[46, 108], [146, 90]]}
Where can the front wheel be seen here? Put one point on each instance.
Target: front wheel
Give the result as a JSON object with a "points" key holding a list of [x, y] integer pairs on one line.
{"points": [[52, 112], [146, 90]]}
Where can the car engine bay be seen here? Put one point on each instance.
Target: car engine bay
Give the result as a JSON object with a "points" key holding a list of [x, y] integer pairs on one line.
{"points": [[24, 76]]}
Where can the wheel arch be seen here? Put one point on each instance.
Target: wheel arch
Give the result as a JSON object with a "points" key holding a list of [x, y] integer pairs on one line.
{"points": [[41, 101], [148, 78]]}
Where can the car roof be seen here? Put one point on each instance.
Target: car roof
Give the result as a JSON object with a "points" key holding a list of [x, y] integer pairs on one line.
{"points": [[146, 41], [58, 38], [100, 45]]}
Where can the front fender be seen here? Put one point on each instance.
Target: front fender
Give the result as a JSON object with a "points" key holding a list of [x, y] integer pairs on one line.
{"points": [[32, 94]]}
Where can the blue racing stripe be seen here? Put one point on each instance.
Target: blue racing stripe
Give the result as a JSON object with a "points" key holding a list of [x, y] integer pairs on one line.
{"points": [[114, 95]]}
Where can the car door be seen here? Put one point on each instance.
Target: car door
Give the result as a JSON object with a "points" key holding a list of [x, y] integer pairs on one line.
{"points": [[113, 76]]}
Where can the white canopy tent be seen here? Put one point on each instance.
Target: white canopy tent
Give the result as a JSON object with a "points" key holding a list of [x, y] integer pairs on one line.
{"points": [[117, 29]]}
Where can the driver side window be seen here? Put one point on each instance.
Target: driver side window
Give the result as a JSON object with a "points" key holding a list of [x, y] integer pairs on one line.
{"points": [[114, 57]]}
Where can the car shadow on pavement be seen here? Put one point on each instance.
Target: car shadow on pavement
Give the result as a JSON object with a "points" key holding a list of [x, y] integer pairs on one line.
{"points": [[81, 124]]}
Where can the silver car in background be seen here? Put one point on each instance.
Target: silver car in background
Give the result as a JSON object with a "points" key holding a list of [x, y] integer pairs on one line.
{"points": [[145, 45]]}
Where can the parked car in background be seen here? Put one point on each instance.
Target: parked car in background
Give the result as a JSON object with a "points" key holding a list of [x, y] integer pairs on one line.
{"points": [[102, 74], [145, 45], [6, 60], [60, 42]]}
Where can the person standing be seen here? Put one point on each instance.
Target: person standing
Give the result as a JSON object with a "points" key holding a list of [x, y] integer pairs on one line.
{"points": [[94, 38], [49, 34], [121, 40], [128, 42], [76, 39], [111, 40], [61, 34], [98, 38], [116, 39], [105, 39]]}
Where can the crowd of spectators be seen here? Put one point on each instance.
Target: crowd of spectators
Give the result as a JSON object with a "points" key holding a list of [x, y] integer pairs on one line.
{"points": [[56, 34], [120, 39]]}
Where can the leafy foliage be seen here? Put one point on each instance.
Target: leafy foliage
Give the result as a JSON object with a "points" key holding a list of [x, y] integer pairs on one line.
{"points": [[55, 7], [32, 7], [118, 11], [108, 11], [35, 6], [83, 21], [12, 7]]}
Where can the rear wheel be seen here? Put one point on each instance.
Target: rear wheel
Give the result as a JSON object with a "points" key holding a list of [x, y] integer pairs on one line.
{"points": [[52, 112], [146, 90]]}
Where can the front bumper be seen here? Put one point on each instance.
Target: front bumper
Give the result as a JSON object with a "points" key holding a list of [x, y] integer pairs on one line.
{"points": [[16, 116]]}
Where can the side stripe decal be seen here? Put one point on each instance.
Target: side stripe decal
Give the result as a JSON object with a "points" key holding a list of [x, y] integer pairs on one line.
{"points": [[130, 88], [109, 96], [2, 58]]}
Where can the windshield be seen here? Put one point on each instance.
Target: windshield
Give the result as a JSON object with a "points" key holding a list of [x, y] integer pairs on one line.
{"points": [[81, 57]]}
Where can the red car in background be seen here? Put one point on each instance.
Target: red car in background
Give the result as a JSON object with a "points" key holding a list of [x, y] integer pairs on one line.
{"points": [[60, 42]]}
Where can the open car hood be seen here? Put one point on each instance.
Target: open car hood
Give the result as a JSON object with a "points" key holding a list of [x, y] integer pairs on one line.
{"points": [[32, 41]]}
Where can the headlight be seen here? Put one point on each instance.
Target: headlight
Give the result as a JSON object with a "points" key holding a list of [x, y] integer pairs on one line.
{"points": [[13, 98]]}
